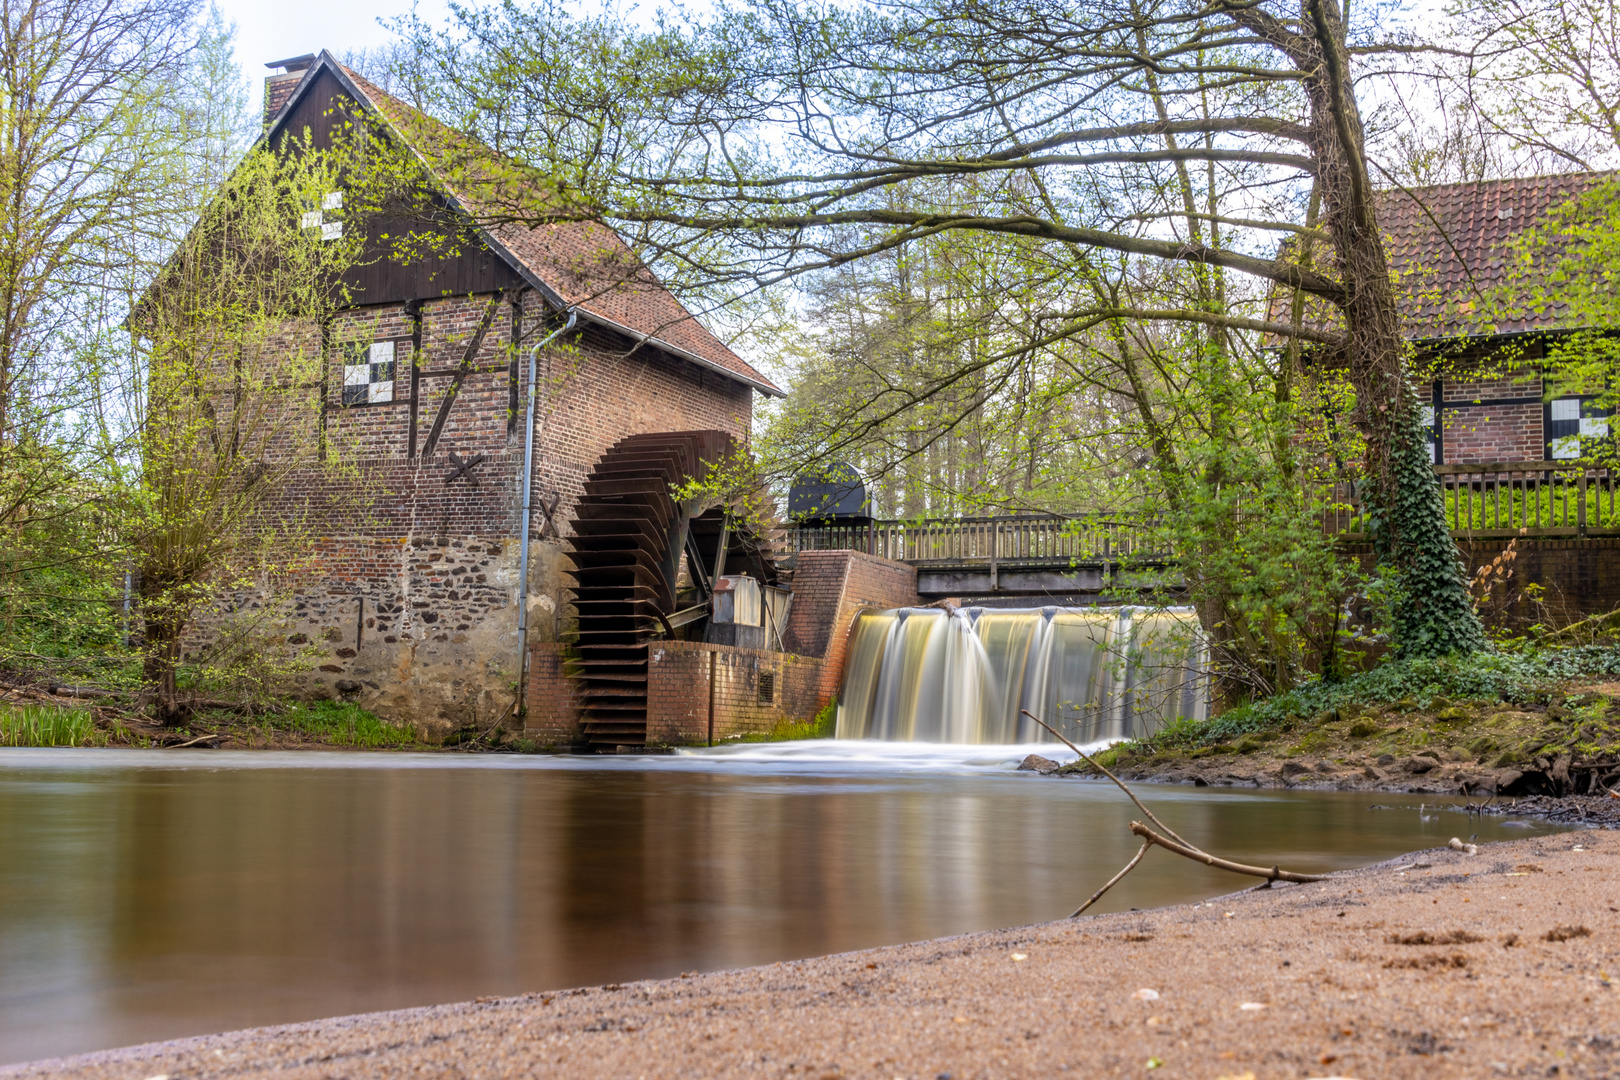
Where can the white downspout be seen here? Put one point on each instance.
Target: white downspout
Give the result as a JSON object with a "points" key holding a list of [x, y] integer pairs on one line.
{"points": [[523, 531]]}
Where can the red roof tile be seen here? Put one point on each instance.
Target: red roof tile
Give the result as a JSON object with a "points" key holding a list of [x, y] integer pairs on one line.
{"points": [[1447, 246]]}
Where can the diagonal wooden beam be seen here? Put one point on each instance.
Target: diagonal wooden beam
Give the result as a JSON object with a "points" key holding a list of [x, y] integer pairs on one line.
{"points": [[462, 371]]}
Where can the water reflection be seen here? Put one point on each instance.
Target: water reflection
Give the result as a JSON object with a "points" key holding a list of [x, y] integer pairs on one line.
{"points": [[142, 901]]}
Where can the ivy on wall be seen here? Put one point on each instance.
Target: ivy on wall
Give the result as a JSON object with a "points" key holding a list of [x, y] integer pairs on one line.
{"points": [[1415, 551]]}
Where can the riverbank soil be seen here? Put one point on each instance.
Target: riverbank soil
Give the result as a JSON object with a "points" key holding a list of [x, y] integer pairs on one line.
{"points": [[1439, 964], [1570, 745]]}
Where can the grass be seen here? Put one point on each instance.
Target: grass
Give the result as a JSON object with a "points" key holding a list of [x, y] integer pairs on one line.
{"points": [[48, 725], [1547, 506], [344, 724]]}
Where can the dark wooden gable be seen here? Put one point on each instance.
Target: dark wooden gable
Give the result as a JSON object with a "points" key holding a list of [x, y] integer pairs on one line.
{"points": [[384, 277]]}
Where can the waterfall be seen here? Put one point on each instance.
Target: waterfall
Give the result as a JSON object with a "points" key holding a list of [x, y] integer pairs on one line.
{"points": [[964, 675]]}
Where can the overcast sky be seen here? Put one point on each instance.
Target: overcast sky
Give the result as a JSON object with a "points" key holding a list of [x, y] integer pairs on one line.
{"points": [[277, 29]]}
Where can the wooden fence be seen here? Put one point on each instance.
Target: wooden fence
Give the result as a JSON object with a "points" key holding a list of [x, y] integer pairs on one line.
{"points": [[1515, 498]]}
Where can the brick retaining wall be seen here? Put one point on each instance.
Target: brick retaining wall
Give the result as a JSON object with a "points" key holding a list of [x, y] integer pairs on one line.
{"points": [[751, 690], [831, 588], [1578, 576]]}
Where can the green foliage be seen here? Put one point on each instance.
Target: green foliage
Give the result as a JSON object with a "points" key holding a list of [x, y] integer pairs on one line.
{"points": [[344, 724], [48, 725], [1265, 577], [1429, 610], [1531, 677]]}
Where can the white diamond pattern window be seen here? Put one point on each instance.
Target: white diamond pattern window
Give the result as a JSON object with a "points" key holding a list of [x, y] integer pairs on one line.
{"points": [[327, 218], [369, 378], [1573, 419]]}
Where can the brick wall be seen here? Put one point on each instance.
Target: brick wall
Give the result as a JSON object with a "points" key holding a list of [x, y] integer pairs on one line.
{"points": [[437, 646], [1474, 433], [831, 588], [1578, 576], [595, 390], [680, 691], [1462, 389], [553, 711], [1475, 430]]}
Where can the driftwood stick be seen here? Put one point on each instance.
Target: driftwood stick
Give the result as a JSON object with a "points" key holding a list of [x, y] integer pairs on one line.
{"points": [[1113, 880], [1117, 781], [194, 742], [1269, 873]]}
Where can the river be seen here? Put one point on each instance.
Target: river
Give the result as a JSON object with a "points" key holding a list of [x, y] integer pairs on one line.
{"points": [[153, 894]]}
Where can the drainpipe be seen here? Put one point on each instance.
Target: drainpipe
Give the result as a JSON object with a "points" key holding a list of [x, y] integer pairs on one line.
{"points": [[523, 557]]}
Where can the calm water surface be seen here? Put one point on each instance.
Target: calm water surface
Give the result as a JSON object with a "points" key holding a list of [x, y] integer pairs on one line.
{"points": [[149, 895]]}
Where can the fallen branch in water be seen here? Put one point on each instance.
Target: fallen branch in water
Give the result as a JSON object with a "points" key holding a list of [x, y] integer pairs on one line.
{"points": [[1098, 766], [1096, 896], [193, 742], [1170, 842], [1273, 874]]}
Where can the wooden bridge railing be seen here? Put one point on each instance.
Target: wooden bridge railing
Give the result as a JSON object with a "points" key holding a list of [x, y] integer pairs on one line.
{"points": [[983, 541], [1528, 498]]}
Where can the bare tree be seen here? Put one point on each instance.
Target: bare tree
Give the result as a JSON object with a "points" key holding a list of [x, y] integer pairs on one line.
{"points": [[765, 147]]}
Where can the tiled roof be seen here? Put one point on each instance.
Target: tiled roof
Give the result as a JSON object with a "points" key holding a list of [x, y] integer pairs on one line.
{"points": [[1447, 246], [579, 264]]}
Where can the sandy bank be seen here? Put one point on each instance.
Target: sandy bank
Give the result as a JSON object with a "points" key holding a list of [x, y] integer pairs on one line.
{"points": [[1435, 965]]}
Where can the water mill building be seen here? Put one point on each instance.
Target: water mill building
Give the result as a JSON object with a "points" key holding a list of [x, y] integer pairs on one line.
{"points": [[406, 600]]}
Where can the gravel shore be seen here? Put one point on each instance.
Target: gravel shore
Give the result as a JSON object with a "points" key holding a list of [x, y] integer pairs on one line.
{"points": [[1438, 964]]}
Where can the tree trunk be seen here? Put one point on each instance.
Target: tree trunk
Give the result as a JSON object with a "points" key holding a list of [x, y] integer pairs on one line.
{"points": [[163, 631], [1432, 614]]}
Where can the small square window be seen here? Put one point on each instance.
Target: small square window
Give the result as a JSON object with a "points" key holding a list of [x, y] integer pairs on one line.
{"points": [[1566, 409], [767, 688], [310, 220], [333, 201], [368, 374], [332, 230]]}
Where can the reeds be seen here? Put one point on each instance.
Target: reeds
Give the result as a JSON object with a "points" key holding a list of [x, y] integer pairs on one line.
{"points": [[48, 725]]}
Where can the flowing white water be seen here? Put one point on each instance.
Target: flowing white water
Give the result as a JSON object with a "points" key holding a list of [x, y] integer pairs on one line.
{"points": [[965, 675]]}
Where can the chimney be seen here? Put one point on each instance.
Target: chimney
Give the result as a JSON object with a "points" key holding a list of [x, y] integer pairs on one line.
{"points": [[279, 87]]}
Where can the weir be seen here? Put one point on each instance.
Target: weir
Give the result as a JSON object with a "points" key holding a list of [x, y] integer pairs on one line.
{"points": [[963, 675]]}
